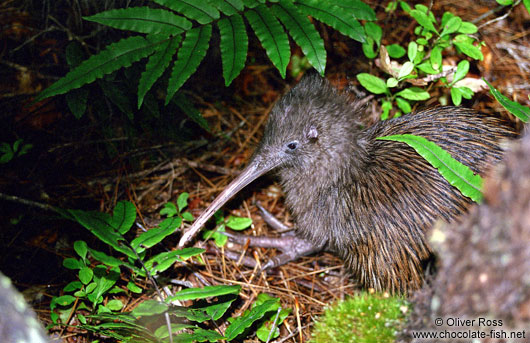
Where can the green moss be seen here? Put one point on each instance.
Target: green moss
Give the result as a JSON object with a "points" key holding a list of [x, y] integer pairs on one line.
{"points": [[363, 318]]}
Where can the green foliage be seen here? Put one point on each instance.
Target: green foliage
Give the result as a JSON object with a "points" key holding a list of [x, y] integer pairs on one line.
{"points": [[92, 298], [513, 107], [363, 318], [100, 280], [407, 82], [234, 45], [181, 31], [268, 328], [233, 222], [456, 173], [9, 152], [262, 311]]}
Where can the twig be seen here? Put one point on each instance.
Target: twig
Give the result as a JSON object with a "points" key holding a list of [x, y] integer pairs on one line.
{"points": [[291, 335], [501, 17], [27, 202]]}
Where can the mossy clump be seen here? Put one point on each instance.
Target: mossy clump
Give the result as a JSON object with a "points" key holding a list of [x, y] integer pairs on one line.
{"points": [[367, 317]]}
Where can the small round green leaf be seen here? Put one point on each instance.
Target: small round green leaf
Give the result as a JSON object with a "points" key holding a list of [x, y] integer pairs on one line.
{"points": [[414, 93], [386, 106], [134, 288], [72, 286], [64, 300], [182, 200], [81, 248], [453, 25], [392, 82], [406, 69], [436, 57], [456, 96], [115, 305], [372, 83], [461, 70], [403, 104], [423, 19], [395, 50], [85, 275], [468, 28], [412, 51], [238, 223], [72, 263]]}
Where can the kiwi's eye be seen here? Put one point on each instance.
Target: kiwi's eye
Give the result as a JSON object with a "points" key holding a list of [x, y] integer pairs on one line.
{"points": [[292, 145]]}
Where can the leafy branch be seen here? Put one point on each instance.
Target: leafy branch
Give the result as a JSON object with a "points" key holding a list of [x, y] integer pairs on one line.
{"points": [[180, 31]]}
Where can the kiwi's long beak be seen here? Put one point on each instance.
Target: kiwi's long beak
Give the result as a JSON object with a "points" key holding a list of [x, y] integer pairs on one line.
{"points": [[257, 167]]}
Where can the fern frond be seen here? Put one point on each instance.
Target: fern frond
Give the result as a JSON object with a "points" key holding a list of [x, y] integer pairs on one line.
{"points": [[117, 94], [252, 3], [185, 106], [340, 19], [115, 56], [234, 45], [360, 10], [228, 7], [157, 63], [271, 35], [456, 173], [303, 33], [143, 20], [190, 55], [201, 11]]}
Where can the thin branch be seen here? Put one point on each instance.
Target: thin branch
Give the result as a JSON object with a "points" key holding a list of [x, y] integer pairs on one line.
{"points": [[27, 202]]}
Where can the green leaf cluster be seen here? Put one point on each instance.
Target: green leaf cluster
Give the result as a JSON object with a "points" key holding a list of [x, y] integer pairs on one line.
{"points": [[9, 152], [211, 303], [233, 222], [175, 37], [99, 281], [362, 318], [424, 61], [96, 282]]}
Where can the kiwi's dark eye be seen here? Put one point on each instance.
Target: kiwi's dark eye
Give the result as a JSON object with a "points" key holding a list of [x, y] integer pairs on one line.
{"points": [[292, 145]]}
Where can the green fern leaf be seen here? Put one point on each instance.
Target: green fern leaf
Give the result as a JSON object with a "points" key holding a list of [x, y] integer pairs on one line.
{"points": [[303, 33], [228, 7], [456, 173], [158, 62], [234, 45], [190, 55], [252, 3], [117, 94], [182, 102], [200, 11], [361, 11], [271, 35], [115, 56], [143, 19], [341, 19]]}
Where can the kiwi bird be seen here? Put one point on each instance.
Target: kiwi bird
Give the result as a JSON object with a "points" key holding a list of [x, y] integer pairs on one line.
{"points": [[369, 201]]}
